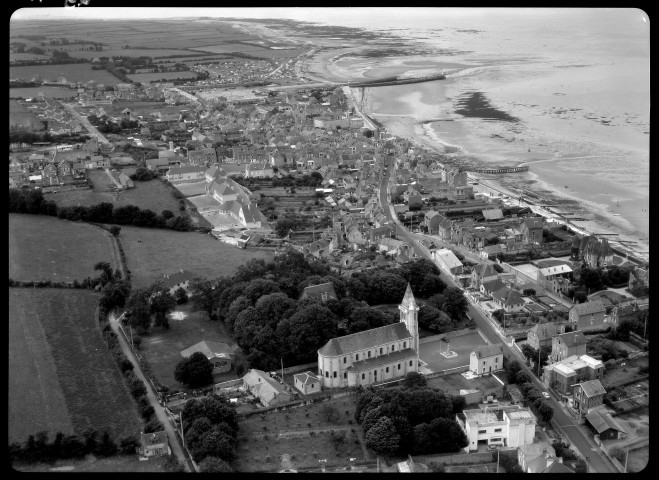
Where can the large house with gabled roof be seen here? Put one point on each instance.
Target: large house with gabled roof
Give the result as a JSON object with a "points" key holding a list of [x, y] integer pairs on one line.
{"points": [[375, 355]]}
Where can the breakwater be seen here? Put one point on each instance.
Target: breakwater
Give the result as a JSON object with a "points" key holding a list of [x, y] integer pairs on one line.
{"points": [[397, 81], [499, 170]]}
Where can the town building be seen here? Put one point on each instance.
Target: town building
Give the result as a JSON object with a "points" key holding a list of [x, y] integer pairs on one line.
{"points": [[375, 355], [508, 299], [531, 228], [483, 272], [588, 395], [180, 279], [154, 444], [587, 314], [447, 261], [562, 375], [186, 174], [512, 427], [538, 458], [565, 345], [218, 353], [486, 359], [307, 383], [541, 334], [269, 392], [604, 425]]}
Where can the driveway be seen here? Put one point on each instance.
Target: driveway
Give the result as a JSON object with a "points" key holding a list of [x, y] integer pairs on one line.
{"points": [[153, 399]]}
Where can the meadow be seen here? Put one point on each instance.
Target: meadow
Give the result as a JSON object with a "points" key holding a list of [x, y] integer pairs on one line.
{"points": [[73, 72], [153, 194], [92, 385], [47, 248], [117, 463], [162, 348], [35, 398], [50, 92], [166, 251], [19, 116], [158, 77]]}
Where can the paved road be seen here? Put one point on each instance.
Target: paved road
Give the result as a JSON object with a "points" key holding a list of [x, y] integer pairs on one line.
{"points": [[566, 423], [160, 411], [91, 128]]}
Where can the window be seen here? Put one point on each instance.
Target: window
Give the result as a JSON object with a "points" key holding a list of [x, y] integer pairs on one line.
{"points": [[344, 359], [345, 374], [363, 376], [380, 350], [404, 344], [375, 374], [327, 374], [496, 360], [483, 362], [357, 357], [334, 374], [393, 348], [482, 431], [497, 430], [369, 354], [399, 366], [387, 370], [411, 361]]}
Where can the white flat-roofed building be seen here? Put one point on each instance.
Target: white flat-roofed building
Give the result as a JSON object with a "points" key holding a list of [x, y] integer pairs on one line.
{"points": [[512, 426], [562, 375]]}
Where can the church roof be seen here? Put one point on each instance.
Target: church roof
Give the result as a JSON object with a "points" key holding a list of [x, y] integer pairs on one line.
{"points": [[366, 339], [382, 360], [408, 299]]}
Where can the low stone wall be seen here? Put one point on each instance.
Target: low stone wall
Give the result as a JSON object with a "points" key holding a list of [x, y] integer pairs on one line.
{"points": [[455, 458], [449, 371], [319, 397]]}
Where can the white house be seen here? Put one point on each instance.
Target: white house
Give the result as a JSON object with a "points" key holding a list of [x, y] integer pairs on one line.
{"points": [[267, 389], [307, 383], [512, 426], [447, 261], [486, 359]]}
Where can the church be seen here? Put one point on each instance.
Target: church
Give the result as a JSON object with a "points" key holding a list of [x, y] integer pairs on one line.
{"points": [[376, 355]]}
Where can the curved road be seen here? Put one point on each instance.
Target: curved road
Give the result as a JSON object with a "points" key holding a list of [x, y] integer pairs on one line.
{"points": [[597, 462], [153, 399]]}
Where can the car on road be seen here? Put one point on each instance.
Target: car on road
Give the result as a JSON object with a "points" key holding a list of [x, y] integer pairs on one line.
{"points": [[545, 394]]}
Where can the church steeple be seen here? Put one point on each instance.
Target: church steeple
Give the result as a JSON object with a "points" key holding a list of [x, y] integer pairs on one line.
{"points": [[409, 312]]}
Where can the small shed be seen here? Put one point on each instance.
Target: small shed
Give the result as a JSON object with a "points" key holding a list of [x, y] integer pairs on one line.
{"points": [[605, 425], [307, 383]]}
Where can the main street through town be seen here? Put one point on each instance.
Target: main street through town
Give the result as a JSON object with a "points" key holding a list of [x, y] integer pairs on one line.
{"points": [[90, 128], [567, 424]]}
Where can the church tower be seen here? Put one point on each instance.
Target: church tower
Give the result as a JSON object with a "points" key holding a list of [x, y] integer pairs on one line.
{"points": [[409, 314]]}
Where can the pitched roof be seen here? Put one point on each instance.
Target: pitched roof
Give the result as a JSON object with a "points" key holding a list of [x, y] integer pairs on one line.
{"points": [[493, 285], [592, 388], [317, 291], [380, 360], [171, 280], [603, 421], [185, 169], [449, 258], [306, 377], [533, 222], [493, 214], [557, 467], [210, 349], [366, 339], [544, 331], [572, 338], [484, 270], [509, 296], [488, 350], [267, 387], [589, 307], [555, 270], [147, 439]]}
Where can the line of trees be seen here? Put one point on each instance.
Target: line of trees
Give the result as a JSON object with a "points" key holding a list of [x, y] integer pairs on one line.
{"points": [[533, 398], [413, 418], [33, 202]]}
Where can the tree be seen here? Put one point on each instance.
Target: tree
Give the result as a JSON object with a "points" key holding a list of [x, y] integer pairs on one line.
{"points": [[114, 294], [106, 447], [284, 224], [304, 332], [140, 310], [415, 380], [511, 371], [107, 273], [114, 230], [529, 352], [365, 318], [129, 444], [580, 296], [382, 437], [452, 301], [202, 295], [217, 443], [433, 319], [214, 465], [162, 302], [330, 413], [181, 296], [194, 371]]}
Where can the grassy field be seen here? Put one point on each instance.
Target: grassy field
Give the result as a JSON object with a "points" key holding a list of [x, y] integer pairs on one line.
{"points": [[430, 351], [162, 347], [617, 374], [129, 52], [42, 248], [119, 463], [19, 116], [93, 387], [638, 459], [288, 432], [166, 251], [154, 195], [35, 398], [49, 92], [158, 77], [74, 72]]}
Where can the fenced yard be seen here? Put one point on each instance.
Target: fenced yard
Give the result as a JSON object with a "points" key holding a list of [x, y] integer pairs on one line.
{"points": [[90, 383], [429, 352], [162, 252], [48, 248], [304, 433], [162, 348]]}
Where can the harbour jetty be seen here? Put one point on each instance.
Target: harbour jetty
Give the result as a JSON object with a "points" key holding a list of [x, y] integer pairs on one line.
{"points": [[397, 81], [499, 170]]}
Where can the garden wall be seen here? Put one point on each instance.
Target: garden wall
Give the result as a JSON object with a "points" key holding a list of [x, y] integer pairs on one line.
{"points": [[455, 458], [453, 334]]}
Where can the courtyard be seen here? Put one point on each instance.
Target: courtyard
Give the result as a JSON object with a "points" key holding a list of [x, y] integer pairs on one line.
{"points": [[430, 352]]}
